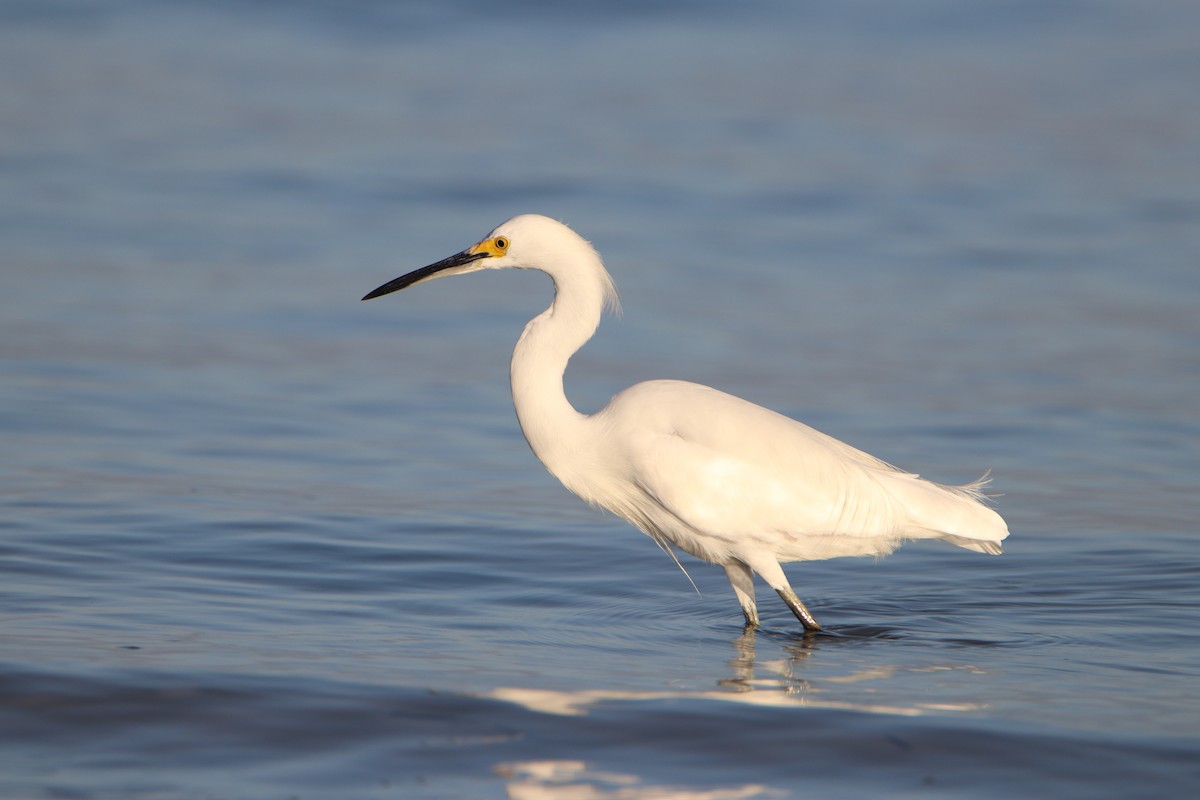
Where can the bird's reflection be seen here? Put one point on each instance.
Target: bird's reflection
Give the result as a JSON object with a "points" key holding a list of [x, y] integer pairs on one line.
{"points": [[790, 681], [742, 663], [779, 674]]}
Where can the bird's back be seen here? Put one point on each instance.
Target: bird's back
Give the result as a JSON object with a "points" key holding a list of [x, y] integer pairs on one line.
{"points": [[736, 472]]}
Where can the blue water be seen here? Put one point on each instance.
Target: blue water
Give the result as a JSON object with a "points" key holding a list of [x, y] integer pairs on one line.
{"points": [[262, 540]]}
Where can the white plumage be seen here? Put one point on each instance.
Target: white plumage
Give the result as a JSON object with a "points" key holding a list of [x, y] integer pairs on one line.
{"points": [[725, 480]]}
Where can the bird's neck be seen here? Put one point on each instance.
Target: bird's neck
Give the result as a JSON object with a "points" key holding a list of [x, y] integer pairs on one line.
{"points": [[556, 432]]}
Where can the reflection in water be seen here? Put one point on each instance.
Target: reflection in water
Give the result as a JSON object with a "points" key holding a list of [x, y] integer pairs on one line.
{"points": [[572, 780], [770, 683], [785, 673], [779, 683]]}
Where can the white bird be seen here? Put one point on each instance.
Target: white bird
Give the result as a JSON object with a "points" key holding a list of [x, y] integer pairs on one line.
{"points": [[694, 468]]}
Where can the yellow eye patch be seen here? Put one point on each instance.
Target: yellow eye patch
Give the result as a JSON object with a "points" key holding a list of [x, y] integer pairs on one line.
{"points": [[492, 248]]}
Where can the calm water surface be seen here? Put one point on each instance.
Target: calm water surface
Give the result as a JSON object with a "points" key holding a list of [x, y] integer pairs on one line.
{"points": [[260, 540]]}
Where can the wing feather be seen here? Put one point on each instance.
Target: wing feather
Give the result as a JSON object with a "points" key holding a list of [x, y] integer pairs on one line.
{"points": [[737, 472]]}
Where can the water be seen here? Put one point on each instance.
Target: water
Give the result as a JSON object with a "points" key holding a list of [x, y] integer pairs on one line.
{"points": [[261, 540]]}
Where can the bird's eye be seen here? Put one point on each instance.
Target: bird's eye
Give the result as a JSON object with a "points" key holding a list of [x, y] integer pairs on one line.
{"points": [[501, 243]]}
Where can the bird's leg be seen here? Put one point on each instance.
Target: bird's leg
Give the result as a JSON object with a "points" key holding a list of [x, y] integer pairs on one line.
{"points": [[742, 581], [793, 602], [772, 573]]}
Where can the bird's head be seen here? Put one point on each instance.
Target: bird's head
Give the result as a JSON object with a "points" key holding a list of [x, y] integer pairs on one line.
{"points": [[529, 241]]}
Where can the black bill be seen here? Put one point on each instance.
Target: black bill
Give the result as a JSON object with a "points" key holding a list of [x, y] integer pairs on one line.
{"points": [[416, 276]]}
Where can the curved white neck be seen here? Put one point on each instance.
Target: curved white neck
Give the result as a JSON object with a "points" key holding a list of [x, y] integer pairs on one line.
{"points": [[556, 432]]}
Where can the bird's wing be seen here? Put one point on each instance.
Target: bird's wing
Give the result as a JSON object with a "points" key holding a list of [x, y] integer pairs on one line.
{"points": [[733, 470]]}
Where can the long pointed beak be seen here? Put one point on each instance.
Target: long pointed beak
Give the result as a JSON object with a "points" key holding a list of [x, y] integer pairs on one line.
{"points": [[426, 273]]}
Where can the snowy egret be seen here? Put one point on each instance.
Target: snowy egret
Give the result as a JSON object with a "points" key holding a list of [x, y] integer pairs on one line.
{"points": [[694, 468]]}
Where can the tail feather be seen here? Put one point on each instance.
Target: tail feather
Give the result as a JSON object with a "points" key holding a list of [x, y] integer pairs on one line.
{"points": [[978, 545], [957, 514]]}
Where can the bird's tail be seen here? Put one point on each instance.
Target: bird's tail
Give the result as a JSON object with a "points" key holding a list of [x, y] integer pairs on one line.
{"points": [[959, 515]]}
